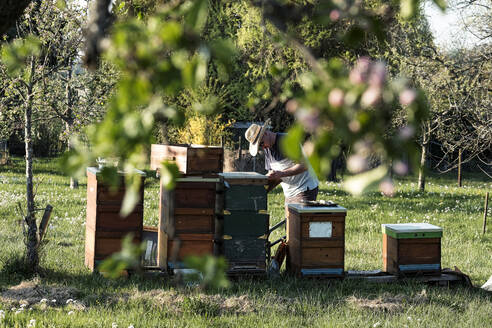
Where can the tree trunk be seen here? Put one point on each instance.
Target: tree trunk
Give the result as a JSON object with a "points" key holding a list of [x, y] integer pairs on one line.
{"points": [[422, 168], [32, 257], [460, 152], [74, 183]]}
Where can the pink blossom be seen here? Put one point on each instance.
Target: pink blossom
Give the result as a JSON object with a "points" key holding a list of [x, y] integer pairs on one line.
{"points": [[308, 148], [378, 74], [334, 15], [356, 163], [400, 168], [387, 188], [371, 96], [308, 118], [335, 98], [291, 106], [406, 132], [358, 74], [354, 126], [407, 97]]}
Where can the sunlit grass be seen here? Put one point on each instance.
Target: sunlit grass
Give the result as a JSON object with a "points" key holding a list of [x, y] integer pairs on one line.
{"points": [[282, 302]]}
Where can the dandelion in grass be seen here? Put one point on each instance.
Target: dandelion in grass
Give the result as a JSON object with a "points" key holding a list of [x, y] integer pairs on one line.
{"points": [[32, 323]]}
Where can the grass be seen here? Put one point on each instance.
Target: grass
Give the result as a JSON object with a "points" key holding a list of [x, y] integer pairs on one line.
{"points": [[281, 302]]}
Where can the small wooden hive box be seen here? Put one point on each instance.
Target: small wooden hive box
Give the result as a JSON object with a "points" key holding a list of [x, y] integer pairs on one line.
{"points": [[316, 240], [411, 248], [190, 159], [105, 228], [194, 220], [245, 222]]}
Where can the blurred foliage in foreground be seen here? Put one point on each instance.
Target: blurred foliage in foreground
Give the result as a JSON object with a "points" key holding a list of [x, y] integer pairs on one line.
{"points": [[164, 54]]}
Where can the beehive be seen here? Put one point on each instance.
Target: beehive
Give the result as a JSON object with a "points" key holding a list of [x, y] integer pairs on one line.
{"points": [[316, 240], [191, 159], [194, 218], [411, 248], [105, 228], [245, 222]]}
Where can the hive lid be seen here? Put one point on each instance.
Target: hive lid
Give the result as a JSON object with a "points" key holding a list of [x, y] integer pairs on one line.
{"points": [[301, 208], [412, 230], [243, 175], [197, 179], [96, 171]]}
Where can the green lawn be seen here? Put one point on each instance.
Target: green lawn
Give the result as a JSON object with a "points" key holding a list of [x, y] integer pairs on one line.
{"points": [[282, 302]]}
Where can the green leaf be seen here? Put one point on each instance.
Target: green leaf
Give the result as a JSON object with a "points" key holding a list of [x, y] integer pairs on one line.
{"points": [[361, 183], [441, 4], [291, 144], [169, 174], [224, 52], [196, 16], [127, 258], [15, 54], [408, 8], [213, 271], [61, 4]]}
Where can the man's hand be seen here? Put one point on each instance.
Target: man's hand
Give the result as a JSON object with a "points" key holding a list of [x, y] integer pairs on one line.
{"points": [[275, 175]]}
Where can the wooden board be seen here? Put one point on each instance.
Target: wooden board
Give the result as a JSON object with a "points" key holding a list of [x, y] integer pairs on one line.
{"points": [[190, 159], [190, 244], [195, 195], [194, 220]]}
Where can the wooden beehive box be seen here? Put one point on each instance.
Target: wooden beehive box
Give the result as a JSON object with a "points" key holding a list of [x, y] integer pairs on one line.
{"points": [[245, 222], [316, 240], [190, 159], [411, 248], [191, 228], [105, 228]]}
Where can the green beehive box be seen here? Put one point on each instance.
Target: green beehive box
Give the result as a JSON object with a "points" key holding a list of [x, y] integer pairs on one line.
{"points": [[245, 191], [241, 223]]}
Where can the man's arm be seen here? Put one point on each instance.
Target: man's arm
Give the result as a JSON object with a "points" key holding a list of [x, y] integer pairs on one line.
{"points": [[293, 170]]}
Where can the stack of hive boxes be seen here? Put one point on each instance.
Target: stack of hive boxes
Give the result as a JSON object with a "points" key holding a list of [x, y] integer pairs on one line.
{"points": [[191, 227], [105, 227], [245, 222]]}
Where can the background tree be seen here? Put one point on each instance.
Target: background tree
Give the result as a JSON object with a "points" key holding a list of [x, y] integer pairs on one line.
{"points": [[44, 44]]}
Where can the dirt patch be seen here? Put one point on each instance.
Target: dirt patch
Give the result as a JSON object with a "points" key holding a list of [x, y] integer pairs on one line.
{"points": [[387, 302], [33, 292], [178, 302]]}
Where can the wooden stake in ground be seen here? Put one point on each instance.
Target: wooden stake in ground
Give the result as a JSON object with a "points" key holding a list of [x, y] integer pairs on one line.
{"points": [[485, 213], [460, 155]]}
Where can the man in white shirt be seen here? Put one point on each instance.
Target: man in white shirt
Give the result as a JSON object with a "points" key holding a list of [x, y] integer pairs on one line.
{"points": [[298, 181]]}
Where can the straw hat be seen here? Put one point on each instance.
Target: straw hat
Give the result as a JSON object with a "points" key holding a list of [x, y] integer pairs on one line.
{"points": [[254, 134]]}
